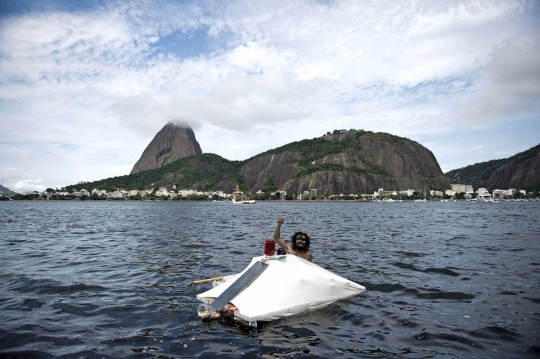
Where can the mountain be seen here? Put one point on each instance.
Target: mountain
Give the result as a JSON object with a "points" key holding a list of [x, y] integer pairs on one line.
{"points": [[519, 171], [7, 191], [199, 172], [170, 144], [347, 162], [341, 162]]}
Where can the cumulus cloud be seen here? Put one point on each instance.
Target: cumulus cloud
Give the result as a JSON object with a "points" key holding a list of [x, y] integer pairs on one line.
{"points": [[507, 88], [19, 180], [101, 82]]}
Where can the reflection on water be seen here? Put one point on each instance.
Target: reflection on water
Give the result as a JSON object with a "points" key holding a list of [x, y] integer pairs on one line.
{"points": [[453, 279]]}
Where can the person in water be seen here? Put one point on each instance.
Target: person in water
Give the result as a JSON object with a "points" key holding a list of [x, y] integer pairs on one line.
{"points": [[300, 242]]}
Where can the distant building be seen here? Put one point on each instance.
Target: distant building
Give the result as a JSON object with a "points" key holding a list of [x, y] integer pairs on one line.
{"points": [[313, 192], [481, 191], [162, 192], [462, 188], [498, 193]]}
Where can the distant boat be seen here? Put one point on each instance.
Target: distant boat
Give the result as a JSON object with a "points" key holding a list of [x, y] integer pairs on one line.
{"points": [[484, 198], [238, 197]]}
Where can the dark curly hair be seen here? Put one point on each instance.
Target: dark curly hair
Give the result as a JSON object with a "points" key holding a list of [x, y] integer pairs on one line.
{"points": [[293, 240]]}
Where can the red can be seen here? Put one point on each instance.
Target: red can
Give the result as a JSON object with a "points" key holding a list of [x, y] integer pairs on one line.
{"points": [[269, 247]]}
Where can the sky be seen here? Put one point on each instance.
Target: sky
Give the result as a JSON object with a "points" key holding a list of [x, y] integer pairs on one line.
{"points": [[86, 85]]}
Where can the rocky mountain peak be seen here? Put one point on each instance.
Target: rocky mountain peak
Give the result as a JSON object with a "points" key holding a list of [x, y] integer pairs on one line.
{"points": [[173, 142]]}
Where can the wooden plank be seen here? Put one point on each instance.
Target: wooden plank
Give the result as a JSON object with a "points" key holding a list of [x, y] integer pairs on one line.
{"points": [[239, 285], [206, 280]]}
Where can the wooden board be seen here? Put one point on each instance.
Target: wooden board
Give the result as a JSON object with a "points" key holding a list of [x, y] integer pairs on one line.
{"points": [[239, 285]]}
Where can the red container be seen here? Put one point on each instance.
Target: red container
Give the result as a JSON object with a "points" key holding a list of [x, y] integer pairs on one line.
{"points": [[269, 247]]}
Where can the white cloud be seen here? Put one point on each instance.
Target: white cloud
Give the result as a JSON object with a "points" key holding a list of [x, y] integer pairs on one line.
{"points": [[107, 79], [19, 180], [508, 88]]}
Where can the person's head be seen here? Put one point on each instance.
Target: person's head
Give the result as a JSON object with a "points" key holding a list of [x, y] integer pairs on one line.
{"points": [[300, 241]]}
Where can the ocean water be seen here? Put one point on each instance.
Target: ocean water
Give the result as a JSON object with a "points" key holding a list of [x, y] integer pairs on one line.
{"points": [[112, 279]]}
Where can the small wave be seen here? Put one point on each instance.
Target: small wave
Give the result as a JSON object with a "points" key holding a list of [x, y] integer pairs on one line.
{"points": [[412, 267], [412, 254], [445, 295], [53, 288], [384, 287], [77, 310], [444, 337], [496, 333], [442, 271]]}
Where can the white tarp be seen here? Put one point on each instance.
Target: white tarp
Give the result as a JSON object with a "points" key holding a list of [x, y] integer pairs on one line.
{"points": [[288, 286]]}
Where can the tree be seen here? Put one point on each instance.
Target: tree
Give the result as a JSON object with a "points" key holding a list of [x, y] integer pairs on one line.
{"points": [[269, 186]]}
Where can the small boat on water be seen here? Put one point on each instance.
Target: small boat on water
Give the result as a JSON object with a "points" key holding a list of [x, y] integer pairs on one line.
{"points": [[288, 285], [484, 198], [238, 197]]}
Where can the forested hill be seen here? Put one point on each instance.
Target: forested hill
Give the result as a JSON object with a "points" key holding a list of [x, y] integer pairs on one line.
{"points": [[347, 162], [519, 171], [7, 191], [202, 172]]}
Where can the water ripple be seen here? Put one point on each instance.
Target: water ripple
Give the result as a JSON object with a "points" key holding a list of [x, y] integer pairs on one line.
{"points": [[107, 279]]}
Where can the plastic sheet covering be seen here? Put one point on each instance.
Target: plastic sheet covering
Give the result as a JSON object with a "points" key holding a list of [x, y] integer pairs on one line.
{"points": [[289, 286]]}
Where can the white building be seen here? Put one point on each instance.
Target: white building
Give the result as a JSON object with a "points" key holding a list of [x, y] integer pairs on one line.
{"points": [[162, 191], [115, 194], [462, 188], [482, 191], [498, 193]]}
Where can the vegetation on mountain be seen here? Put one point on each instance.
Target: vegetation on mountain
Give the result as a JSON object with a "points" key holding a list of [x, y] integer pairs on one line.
{"points": [[477, 174], [206, 172], [320, 147], [313, 149], [7, 191], [491, 173], [345, 161]]}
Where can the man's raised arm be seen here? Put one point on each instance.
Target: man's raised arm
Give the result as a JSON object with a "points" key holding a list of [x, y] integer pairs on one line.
{"points": [[277, 234]]}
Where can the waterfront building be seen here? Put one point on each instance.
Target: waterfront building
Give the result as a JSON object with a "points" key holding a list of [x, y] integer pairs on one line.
{"points": [[462, 188], [498, 193]]}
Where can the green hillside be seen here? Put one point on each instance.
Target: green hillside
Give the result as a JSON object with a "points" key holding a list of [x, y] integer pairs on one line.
{"points": [[7, 191], [207, 172], [317, 148], [478, 175], [204, 172]]}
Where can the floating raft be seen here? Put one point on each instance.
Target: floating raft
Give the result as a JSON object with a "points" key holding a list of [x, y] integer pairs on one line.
{"points": [[288, 286]]}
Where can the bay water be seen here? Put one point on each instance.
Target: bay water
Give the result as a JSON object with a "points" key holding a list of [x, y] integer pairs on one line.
{"points": [[112, 279]]}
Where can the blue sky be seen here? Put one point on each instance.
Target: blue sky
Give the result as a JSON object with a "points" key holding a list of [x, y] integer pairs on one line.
{"points": [[85, 85]]}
